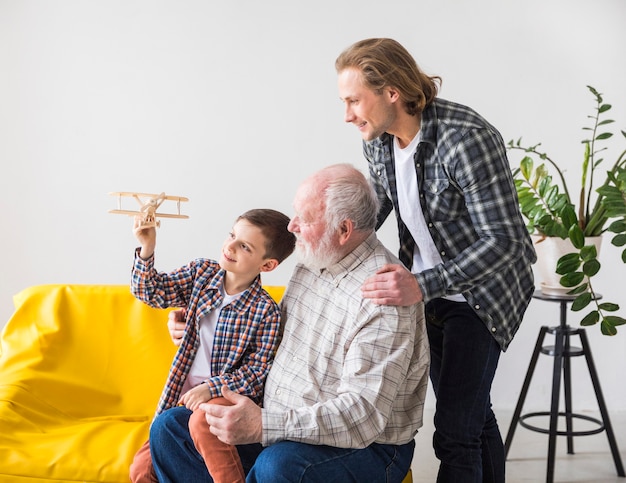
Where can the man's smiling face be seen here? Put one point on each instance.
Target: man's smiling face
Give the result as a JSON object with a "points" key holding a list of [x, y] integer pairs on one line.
{"points": [[371, 112]]}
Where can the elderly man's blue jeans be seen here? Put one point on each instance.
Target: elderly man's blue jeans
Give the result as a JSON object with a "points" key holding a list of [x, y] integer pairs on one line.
{"points": [[464, 358], [175, 458]]}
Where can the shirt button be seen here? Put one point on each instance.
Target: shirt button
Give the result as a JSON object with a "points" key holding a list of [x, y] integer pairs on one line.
{"points": [[477, 307], [443, 253], [493, 329], [278, 392], [378, 172]]}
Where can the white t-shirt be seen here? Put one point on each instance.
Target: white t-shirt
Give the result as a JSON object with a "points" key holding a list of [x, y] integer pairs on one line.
{"points": [[425, 253], [201, 367]]}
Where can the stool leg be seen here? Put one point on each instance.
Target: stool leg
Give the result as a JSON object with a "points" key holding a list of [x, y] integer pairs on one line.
{"points": [[524, 391], [603, 411], [567, 388], [554, 406]]}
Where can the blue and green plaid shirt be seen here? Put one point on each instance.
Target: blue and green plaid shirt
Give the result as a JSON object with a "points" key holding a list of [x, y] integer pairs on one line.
{"points": [[470, 206], [246, 336]]}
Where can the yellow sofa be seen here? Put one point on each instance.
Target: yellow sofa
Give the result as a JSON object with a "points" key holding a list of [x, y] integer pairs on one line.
{"points": [[81, 370]]}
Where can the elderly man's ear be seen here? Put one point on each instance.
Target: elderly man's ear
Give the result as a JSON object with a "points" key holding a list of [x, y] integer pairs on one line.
{"points": [[345, 231]]}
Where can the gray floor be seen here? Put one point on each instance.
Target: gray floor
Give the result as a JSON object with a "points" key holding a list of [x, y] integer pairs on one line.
{"points": [[591, 463]]}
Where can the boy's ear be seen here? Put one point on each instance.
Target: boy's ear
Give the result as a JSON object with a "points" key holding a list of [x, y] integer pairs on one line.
{"points": [[269, 265]]}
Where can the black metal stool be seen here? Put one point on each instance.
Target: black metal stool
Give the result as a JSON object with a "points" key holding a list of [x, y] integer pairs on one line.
{"points": [[562, 351]]}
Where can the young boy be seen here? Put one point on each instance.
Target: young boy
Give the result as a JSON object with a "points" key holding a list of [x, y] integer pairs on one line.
{"points": [[232, 328]]}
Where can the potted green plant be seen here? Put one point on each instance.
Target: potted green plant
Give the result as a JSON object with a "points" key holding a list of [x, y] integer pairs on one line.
{"points": [[550, 211]]}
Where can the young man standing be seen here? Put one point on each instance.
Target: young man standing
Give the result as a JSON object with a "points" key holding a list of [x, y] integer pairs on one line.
{"points": [[443, 169]]}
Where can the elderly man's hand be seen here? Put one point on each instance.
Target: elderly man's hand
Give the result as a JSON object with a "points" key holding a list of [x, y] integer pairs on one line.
{"points": [[240, 423], [392, 285]]}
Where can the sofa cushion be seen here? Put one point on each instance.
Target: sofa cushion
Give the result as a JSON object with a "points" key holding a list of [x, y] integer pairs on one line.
{"points": [[81, 370]]}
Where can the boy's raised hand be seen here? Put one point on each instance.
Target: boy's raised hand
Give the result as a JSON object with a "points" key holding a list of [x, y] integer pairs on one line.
{"points": [[146, 237]]}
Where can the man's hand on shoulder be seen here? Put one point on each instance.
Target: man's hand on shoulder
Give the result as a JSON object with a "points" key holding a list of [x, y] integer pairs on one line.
{"points": [[392, 285]]}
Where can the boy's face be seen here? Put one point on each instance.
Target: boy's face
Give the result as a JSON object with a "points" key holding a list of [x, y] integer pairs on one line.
{"points": [[243, 251]]}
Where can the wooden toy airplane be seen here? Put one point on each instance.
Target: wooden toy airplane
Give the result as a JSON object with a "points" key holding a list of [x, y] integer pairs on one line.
{"points": [[148, 205]]}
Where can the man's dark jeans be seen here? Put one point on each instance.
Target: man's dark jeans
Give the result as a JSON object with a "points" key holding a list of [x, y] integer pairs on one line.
{"points": [[464, 357]]}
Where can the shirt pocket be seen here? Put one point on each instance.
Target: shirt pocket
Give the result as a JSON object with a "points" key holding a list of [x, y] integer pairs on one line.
{"points": [[445, 202], [434, 187]]}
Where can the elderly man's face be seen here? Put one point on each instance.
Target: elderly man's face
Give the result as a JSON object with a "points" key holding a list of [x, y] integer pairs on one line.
{"points": [[316, 244]]}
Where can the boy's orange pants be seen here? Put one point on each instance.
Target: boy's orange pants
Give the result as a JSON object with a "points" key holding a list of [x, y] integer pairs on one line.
{"points": [[221, 459]]}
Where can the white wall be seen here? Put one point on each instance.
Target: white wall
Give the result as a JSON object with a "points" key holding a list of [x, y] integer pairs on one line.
{"points": [[233, 103]]}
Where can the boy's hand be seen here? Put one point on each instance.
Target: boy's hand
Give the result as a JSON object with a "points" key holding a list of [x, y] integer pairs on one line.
{"points": [[195, 396], [146, 237], [176, 325]]}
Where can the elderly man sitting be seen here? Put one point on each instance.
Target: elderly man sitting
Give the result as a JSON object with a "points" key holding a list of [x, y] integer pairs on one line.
{"points": [[344, 398]]}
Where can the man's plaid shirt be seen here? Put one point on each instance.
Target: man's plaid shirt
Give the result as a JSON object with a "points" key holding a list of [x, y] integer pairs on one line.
{"points": [[246, 336], [471, 209]]}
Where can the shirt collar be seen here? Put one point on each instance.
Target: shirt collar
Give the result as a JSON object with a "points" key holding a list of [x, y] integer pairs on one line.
{"points": [[348, 263], [428, 123], [241, 302]]}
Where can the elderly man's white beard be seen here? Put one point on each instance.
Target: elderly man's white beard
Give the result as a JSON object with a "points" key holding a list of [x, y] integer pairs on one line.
{"points": [[325, 255]]}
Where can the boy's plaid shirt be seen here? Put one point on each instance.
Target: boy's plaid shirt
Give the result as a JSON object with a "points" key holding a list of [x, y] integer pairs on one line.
{"points": [[246, 336]]}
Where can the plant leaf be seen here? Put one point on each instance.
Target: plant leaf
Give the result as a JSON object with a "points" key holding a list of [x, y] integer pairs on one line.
{"points": [[576, 235], [588, 252], [604, 135], [567, 264], [615, 320], [581, 301], [607, 329], [619, 240], [579, 289], [572, 279], [526, 167], [591, 318], [618, 226], [609, 307], [591, 267]]}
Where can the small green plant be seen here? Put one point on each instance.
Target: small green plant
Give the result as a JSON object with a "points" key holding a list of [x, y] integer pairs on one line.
{"points": [[549, 210]]}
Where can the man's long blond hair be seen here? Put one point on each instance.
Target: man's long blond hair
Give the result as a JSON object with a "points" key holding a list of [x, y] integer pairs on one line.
{"points": [[386, 63]]}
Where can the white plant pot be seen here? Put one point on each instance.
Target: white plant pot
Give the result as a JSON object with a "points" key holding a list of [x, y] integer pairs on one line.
{"points": [[549, 250]]}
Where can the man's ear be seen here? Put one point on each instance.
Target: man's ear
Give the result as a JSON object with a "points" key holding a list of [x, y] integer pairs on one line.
{"points": [[269, 265], [346, 227], [393, 94]]}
